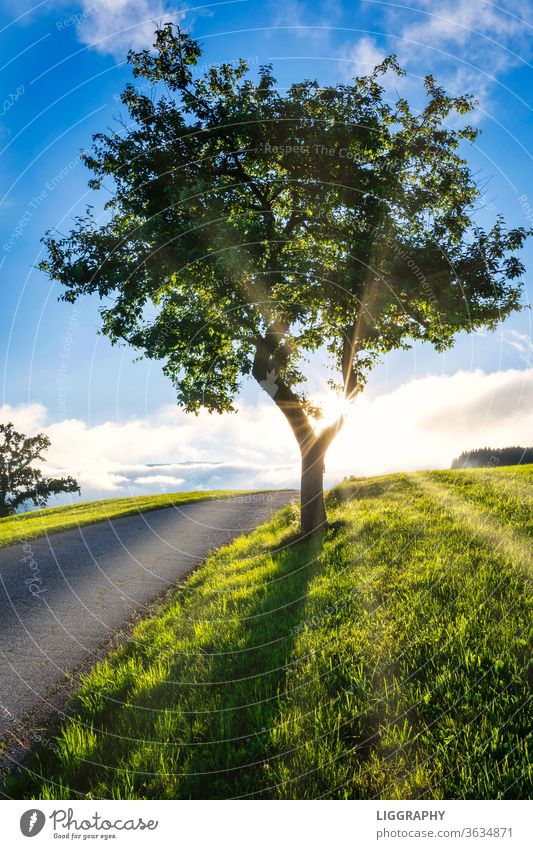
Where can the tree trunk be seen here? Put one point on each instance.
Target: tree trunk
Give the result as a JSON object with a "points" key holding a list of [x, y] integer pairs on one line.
{"points": [[313, 446], [313, 509]]}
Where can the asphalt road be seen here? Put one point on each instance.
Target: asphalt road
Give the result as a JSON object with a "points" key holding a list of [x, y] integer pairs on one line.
{"points": [[63, 597]]}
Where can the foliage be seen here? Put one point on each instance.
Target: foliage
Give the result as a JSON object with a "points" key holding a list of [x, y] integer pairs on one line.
{"points": [[514, 456], [248, 228], [388, 660], [20, 481]]}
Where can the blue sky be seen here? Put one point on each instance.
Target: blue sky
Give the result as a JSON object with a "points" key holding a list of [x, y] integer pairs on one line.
{"points": [[63, 67]]}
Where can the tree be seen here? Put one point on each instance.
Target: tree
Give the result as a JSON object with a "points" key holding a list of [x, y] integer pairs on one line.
{"points": [[19, 480], [249, 228], [514, 455]]}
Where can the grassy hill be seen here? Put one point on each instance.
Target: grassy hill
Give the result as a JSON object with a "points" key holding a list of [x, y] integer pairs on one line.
{"points": [[37, 523], [390, 661]]}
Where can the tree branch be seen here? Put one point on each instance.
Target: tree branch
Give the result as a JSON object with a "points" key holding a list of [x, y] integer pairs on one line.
{"points": [[265, 373]]}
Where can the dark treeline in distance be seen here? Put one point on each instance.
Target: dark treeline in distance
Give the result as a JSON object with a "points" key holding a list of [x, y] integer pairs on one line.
{"points": [[481, 457]]}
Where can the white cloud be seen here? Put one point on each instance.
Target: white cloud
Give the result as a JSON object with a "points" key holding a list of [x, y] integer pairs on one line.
{"points": [[490, 38], [427, 422], [115, 26], [460, 20], [309, 21], [467, 44], [362, 57], [522, 344], [424, 423], [159, 480], [27, 418]]}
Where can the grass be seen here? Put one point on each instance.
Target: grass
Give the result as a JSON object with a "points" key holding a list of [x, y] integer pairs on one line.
{"points": [[389, 660], [37, 523]]}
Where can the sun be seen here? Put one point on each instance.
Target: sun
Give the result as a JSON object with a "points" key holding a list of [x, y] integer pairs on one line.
{"points": [[334, 406]]}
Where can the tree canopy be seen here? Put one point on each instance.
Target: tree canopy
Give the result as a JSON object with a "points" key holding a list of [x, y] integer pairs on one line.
{"points": [[251, 227], [20, 481]]}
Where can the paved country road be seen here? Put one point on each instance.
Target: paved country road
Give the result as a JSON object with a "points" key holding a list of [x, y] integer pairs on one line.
{"points": [[63, 597]]}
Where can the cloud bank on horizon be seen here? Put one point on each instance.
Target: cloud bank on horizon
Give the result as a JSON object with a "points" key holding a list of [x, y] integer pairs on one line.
{"points": [[422, 424]]}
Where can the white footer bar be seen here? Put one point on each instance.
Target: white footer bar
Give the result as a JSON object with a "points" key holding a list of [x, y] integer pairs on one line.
{"points": [[269, 824]]}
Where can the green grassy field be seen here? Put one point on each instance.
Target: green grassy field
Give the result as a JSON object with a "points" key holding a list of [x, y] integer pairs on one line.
{"points": [[37, 523], [388, 661]]}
